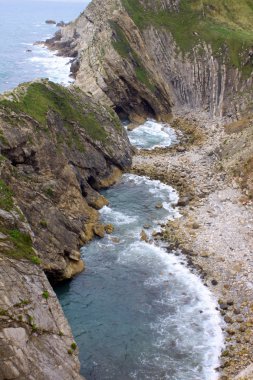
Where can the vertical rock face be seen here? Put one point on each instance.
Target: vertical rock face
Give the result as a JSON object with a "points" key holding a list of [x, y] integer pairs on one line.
{"points": [[119, 79], [35, 339], [58, 153], [57, 148], [145, 56]]}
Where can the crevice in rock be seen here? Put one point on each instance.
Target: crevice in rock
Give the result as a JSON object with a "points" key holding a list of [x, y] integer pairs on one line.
{"points": [[122, 114]]}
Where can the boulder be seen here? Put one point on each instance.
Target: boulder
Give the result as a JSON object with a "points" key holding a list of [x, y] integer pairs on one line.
{"points": [[144, 236], [99, 230], [109, 228], [50, 22]]}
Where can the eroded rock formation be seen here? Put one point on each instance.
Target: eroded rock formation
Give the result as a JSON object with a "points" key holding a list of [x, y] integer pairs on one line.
{"points": [[58, 148], [143, 57]]}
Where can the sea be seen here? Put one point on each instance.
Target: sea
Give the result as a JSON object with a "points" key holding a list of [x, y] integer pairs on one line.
{"points": [[22, 23], [137, 312]]}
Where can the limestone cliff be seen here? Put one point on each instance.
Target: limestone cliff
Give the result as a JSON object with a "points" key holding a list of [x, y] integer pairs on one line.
{"points": [[35, 339], [58, 147], [146, 56]]}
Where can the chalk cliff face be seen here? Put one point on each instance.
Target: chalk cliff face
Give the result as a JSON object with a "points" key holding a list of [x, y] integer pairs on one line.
{"points": [[58, 148], [146, 56]]}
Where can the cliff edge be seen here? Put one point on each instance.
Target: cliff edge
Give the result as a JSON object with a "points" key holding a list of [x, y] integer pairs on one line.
{"points": [[58, 148], [144, 57]]}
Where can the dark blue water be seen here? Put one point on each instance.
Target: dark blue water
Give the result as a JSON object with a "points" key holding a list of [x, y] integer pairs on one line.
{"points": [[137, 312], [22, 23]]}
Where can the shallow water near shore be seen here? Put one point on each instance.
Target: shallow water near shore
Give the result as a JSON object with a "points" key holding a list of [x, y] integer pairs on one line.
{"points": [[138, 312], [152, 134]]}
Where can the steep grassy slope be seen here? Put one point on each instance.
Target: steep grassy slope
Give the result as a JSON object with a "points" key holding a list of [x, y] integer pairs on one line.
{"points": [[146, 56], [227, 25]]}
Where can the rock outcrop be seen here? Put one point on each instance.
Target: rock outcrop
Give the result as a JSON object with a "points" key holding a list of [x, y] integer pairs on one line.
{"points": [[143, 57], [35, 339], [58, 148]]}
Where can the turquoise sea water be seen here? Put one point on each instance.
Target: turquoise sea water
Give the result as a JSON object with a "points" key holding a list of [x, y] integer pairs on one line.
{"points": [[137, 312], [21, 24]]}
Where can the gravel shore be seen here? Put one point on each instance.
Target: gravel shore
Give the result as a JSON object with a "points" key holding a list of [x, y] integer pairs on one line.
{"points": [[215, 231]]}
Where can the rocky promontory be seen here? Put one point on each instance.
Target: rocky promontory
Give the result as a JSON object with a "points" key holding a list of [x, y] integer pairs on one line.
{"points": [[58, 148], [144, 57]]}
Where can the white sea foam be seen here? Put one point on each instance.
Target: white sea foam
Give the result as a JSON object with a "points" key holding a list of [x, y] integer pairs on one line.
{"points": [[152, 134], [197, 297], [156, 187], [117, 217], [56, 68], [26, 44]]}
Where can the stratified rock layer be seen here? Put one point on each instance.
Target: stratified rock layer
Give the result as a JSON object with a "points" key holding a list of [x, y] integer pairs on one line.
{"points": [[58, 147], [146, 56]]}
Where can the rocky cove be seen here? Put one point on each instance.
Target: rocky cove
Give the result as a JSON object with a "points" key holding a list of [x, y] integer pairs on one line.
{"points": [[58, 153], [137, 311]]}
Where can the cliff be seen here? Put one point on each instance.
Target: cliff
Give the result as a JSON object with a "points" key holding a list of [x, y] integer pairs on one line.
{"points": [[144, 57], [58, 148]]}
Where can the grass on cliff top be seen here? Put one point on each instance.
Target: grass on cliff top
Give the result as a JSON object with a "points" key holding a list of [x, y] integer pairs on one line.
{"points": [[40, 97], [221, 23], [122, 46]]}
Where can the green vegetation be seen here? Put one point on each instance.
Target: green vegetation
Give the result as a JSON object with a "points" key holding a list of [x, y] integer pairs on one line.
{"points": [[22, 244], [22, 303], [72, 349], [225, 24], [38, 98], [3, 140], [43, 223], [32, 323], [6, 201], [93, 128], [49, 192], [35, 260], [45, 294], [124, 49], [3, 312]]}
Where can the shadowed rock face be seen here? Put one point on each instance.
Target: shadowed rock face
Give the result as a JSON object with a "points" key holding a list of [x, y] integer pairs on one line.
{"points": [[59, 150], [58, 147], [146, 56], [34, 335]]}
